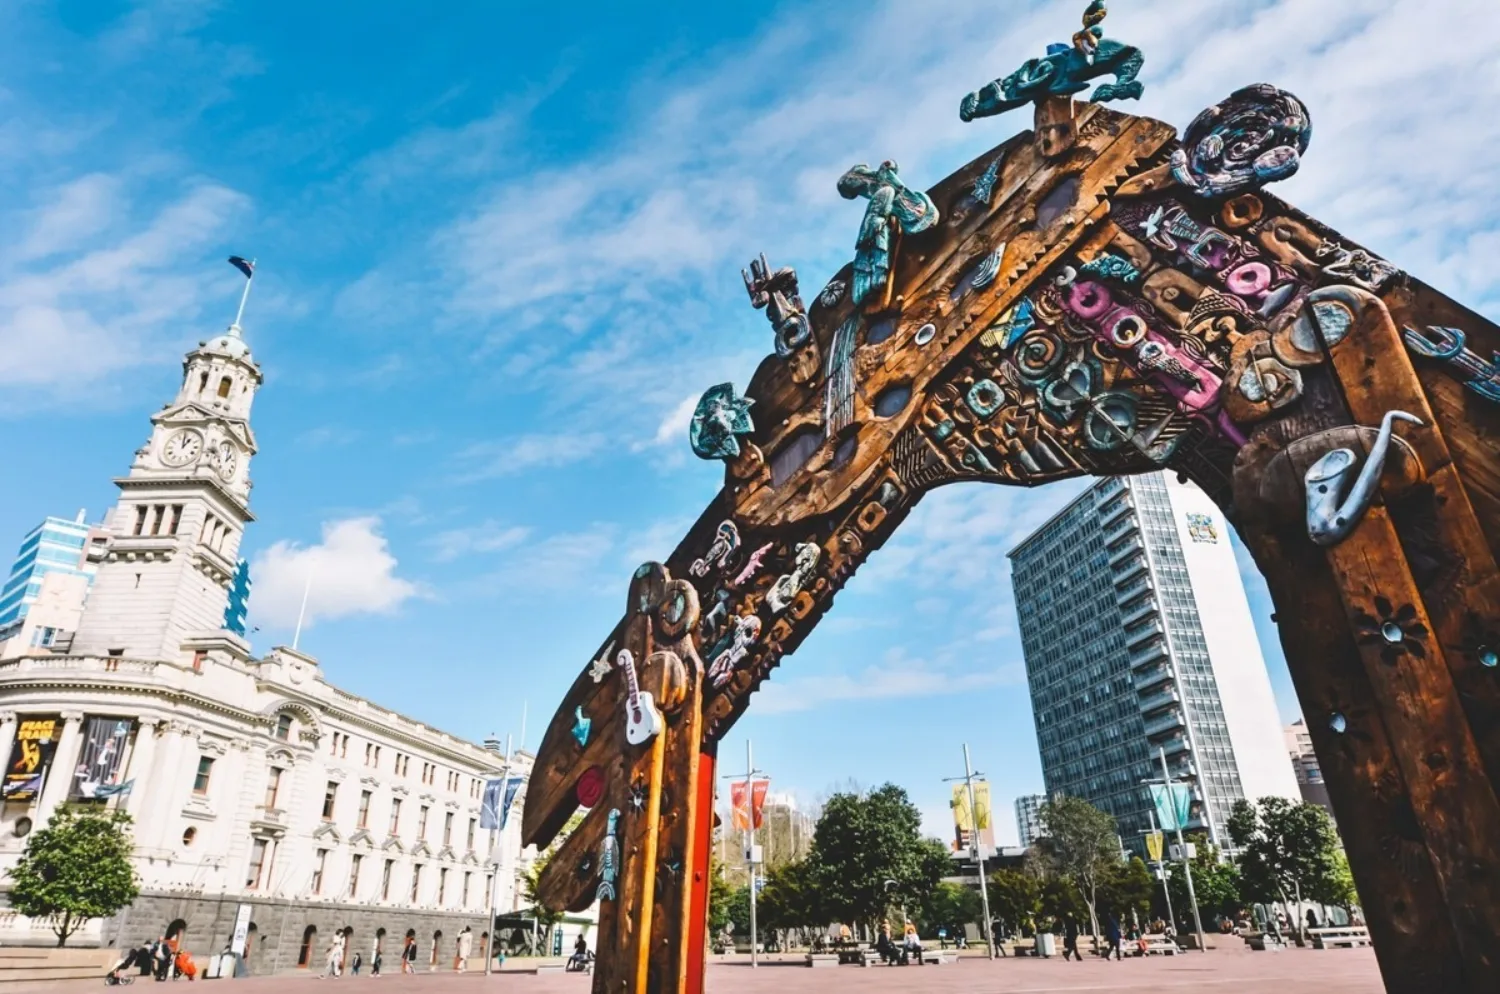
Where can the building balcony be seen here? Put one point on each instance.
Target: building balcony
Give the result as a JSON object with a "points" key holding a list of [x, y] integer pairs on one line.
{"points": [[1130, 569], [1148, 654], [1150, 631], [1176, 745], [1145, 679], [1167, 722], [1160, 699], [1120, 531], [1127, 592], [1113, 512], [1129, 548], [1138, 610]]}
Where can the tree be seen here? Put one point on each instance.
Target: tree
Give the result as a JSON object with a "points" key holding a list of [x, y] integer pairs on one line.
{"points": [[720, 893], [1126, 889], [1288, 848], [1337, 885], [76, 869], [1082, 845], [950, 906], [531, 877], [1015, 898], [862, 842], [791, 899], [1216, 884]]}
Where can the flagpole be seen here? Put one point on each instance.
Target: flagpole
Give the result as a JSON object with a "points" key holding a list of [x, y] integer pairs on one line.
{"points": [[499, 850], [302, 611], [244, 296]]}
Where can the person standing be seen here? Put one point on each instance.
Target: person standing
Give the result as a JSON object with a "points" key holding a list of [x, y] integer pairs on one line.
{"points": [[375, 957], [1070, 940], [1112, 933], [465, 946], [335, 965], [409, 956]]}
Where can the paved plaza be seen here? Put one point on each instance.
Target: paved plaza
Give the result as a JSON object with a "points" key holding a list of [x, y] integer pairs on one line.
{"points": [[1229, 969]]}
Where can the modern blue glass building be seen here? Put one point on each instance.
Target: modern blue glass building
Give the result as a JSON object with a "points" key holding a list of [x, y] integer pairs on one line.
{"points": [[55, 545]]}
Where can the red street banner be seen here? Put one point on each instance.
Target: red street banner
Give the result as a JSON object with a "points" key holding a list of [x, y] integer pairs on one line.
{"points": [[742, 818]]}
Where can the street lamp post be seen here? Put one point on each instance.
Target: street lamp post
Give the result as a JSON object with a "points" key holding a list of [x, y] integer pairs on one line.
{"points": [[1187, 866], [976, 849]]}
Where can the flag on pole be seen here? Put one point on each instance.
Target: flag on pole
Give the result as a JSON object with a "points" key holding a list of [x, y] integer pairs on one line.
{"points": [[747, 806], [1174, 804], [246, 266], [494, 809]]}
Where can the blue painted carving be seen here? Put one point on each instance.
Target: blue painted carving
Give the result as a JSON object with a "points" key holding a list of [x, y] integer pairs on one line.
{"points": [[776, 294], [1331, 516], [984, 398], [1257, 136], [892, 205], [720, 417], [984, 186], [1112, 267], [581, 726], [609, 858], [1064, 71], [1450, 346]]}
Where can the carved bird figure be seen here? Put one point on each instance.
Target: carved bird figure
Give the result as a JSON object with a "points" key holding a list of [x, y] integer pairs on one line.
{"points": [[725, 542], [892, 205], [609, 859]]}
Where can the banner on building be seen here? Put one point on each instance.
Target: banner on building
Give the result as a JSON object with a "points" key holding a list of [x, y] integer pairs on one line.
{"points": [[1174, 805], [964, 815], [241, 930], [30, 758], [102, 760], [747, 806], [1153, 846], [499, 794]]}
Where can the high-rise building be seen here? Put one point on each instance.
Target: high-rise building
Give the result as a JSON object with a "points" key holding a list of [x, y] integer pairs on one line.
{"points": [[1305, 766], [56, 547], [1029, 817], [1138, 640]]}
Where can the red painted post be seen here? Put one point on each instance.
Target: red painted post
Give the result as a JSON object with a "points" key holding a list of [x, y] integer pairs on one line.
{"points": [[703, 845]]}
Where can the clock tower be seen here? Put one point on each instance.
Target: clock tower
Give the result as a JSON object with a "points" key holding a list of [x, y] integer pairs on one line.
{"points": [[169, 558]]}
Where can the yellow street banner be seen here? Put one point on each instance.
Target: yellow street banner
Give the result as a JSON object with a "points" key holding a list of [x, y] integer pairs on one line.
{"points": [[1153, 846], [962, 814]]}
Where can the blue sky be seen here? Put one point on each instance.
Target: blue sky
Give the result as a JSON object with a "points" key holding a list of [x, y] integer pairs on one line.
{"points": [[499, 252]]}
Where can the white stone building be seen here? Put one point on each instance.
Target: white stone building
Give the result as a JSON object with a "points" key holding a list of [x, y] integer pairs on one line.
{"points": [[253, 782]]}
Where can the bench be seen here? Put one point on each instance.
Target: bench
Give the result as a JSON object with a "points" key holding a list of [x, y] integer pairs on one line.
{"points": [[938, 957], [819, 960], [1158, 945], [1263, 942], [1348, 935], [1021, 947]]}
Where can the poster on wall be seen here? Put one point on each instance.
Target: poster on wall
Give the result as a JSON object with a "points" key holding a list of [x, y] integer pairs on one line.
{"points": [[30, 757], [102, 760]]}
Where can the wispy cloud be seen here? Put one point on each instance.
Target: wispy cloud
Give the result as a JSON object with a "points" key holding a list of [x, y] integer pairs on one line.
{"points": [[512, 456], [487, 536], [897, 675]]}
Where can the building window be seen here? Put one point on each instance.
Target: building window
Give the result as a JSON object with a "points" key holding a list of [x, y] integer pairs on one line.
{"points": [[329, 795], [319, 862], [369, 752], [176, 519], [355, 862], [188, 836], [224, 385], [442, 886], [158, 512], [364, 809], [464, 900], [422, 823], [257, 865], [140, 519], [283, 726], [205, 771], [448, 829], [385, 879], [489, 891], [416, 883], [273, 787], [344, 748], [395, 826], [472, 825], [198, 658]]}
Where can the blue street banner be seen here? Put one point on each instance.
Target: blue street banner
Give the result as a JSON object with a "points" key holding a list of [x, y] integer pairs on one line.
{"points": [[499, 793], [1174, 805]]}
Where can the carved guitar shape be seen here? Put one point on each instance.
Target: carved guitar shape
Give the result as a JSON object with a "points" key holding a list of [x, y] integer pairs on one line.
{"points": [[642, 719]]}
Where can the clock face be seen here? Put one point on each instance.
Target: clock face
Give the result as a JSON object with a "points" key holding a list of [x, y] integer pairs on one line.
{"points": [[182, 448], [229, 461]]}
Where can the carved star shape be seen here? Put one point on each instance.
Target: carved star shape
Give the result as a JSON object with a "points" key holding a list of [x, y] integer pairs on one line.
{"points": [[638, 797], [602, 667]]}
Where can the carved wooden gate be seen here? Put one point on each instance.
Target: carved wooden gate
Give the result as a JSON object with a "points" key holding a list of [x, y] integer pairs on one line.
{"points": [[1097, 297]]}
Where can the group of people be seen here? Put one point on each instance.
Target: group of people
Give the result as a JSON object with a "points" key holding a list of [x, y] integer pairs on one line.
{"points": [[160, 958], [337, 948], [1115, 936], [908, 951]]}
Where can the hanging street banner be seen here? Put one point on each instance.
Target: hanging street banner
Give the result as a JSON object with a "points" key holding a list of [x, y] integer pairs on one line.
{"points": [[102, 760], [499, 793], [30, 758], [963, 815], [1153, 846], [746, 809], [1174, 804]]}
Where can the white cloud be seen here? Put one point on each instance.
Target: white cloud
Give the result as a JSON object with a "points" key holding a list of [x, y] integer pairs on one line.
{"points": [[487, 536], [897, 675], [351, 571], [565, 562], [673, 429], [77, 212], [512, 456]]}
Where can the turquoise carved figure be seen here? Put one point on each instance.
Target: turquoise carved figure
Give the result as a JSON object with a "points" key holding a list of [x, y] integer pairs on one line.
{"points": [[892, 205], [720, 417], [1064, 71]]}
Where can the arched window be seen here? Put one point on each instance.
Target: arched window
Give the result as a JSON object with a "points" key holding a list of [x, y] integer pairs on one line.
{"points": [[224, 386], [283, 726], [437, 937], [250, 936], [305, 953], [202, 383]]}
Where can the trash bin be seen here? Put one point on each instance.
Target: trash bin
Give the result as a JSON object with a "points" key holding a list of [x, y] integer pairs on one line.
{"points": [[1046, 944]]}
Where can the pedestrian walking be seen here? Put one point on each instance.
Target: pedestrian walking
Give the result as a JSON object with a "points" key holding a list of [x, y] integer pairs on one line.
{"points": [[409, 956], [465, 946], [375, 957], [354, 966], [1112, 933], [1070, 940], [335, 965]]}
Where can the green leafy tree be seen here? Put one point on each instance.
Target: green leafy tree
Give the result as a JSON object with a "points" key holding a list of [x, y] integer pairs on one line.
{"points": [[1337, 885], [76, 869], [1082, 845], [949, 906], [738, 910], [531, 878], [1216, 884], [1058, 899], [865, 840], [1126, 888], [1287, 849], [720, 894], [791, 898], [1015, 898]]}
